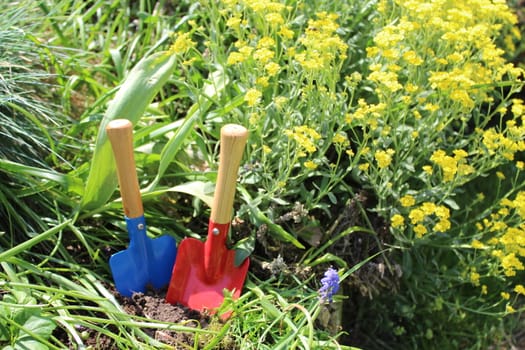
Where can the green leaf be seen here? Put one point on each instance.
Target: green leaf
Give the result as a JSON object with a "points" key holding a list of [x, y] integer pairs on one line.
{"points": [[173, 146], [34, 333], [5, 334], [274, 229], [243, 249], [210, 91], [199, 189], [38, 325], [131, 100]]}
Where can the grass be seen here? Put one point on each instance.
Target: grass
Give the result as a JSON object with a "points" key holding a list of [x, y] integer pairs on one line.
{"points": [[344, 168]]}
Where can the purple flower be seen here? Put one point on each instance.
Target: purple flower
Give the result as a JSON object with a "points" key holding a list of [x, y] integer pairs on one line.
{"points": [[329, 285]]}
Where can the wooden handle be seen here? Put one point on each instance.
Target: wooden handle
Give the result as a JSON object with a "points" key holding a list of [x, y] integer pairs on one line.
{"points": [[120, 134], [233, 140]]}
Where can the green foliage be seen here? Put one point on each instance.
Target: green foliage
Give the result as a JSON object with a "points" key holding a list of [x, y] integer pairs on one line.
{"points": [[21, 324], [413, 105]]}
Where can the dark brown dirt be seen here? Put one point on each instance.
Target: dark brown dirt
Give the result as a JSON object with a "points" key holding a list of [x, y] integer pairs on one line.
{"points": [[151, 305]]}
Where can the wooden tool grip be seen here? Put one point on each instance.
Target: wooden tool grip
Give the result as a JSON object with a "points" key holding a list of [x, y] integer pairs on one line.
{"points": [[232, 143], [120, 134]]}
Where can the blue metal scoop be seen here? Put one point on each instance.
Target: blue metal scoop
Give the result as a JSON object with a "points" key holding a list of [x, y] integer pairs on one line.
{"points": [[146, 261]]}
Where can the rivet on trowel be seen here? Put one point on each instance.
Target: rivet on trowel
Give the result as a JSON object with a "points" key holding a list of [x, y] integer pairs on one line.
{"points": [[215, 231], [140, 226]]}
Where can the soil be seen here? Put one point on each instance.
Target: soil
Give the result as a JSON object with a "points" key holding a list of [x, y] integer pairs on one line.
{"points": [[150, 305]]}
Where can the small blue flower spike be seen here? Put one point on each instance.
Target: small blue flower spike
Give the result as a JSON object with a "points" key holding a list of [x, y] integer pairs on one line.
{"points": [[329, 285]]}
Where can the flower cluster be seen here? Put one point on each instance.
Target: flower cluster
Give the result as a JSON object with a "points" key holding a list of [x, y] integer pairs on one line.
{"points": [[451, 165], [508, 223], [305, 137], [423, 216], [329, 285], [321, 47], [417, 117]]}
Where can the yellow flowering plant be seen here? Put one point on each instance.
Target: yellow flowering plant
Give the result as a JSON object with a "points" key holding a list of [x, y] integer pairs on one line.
{"points": [[412, 104]]}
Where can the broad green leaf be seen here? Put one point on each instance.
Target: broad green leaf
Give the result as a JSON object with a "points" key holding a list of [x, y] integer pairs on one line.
{"points": [[34, 332], [38, 325], [131, 100], [243, 249], [199, 189]]}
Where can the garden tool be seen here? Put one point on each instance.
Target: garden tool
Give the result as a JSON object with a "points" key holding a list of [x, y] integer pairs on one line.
{"points": [[204, 270], [146, 260]]}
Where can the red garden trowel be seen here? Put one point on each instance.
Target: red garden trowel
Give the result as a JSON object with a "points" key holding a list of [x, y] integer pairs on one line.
{"points": [[203, 270], [145, 261]]}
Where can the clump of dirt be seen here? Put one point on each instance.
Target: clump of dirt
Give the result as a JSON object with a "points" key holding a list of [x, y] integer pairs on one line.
{"points": [[153, 305]]}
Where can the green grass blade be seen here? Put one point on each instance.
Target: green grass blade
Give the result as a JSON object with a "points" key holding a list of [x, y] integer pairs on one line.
{"points": [[69, 182], [22, 247]]}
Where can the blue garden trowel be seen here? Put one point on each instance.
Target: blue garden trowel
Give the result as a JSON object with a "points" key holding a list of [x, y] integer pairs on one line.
{"points": [[146, 261]]}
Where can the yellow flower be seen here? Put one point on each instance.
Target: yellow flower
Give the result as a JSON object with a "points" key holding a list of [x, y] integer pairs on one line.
{"points": [[448, 164], [509, 309], [364, 166], [234, 22], [387, 79], [280, 101], [305, 137], [519, 289], [397, 220], [442, 212], [518, 107], [412, 58], [442, 225], [431, 107], [416, 215], [383, 158], [265, 42], [484, 290], [272, 68], [428, 208], [182, 44], [474, 277], [427, 169], [310, 165], [420, 230], [286, 32], [274, 18], [505, 295], [262, 81], [477, 244], [407, 201], [252, 97], [263, 55], [340, 139]]}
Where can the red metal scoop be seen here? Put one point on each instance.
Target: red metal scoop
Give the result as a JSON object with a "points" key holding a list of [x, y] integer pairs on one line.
{"points": [[203, 270]]}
